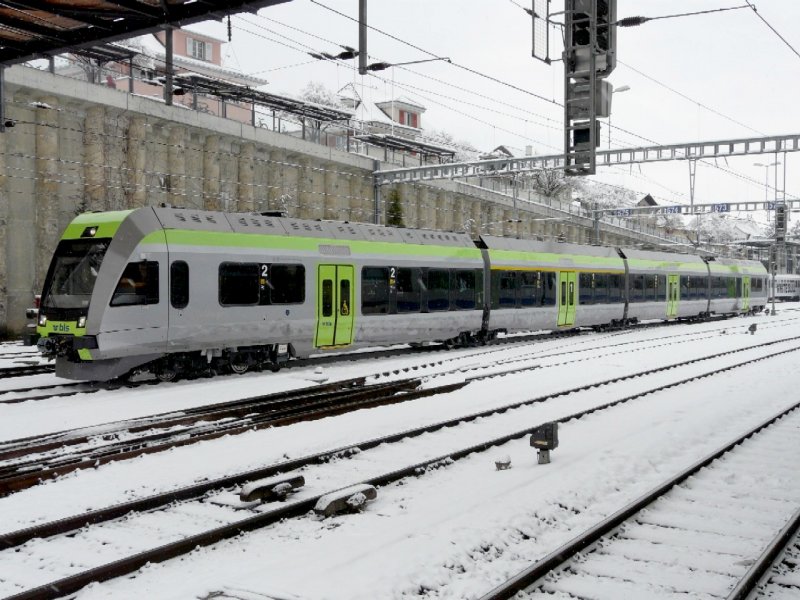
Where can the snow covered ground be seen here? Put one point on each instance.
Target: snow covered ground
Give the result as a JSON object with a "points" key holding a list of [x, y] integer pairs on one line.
{"points": [[454, 532]]}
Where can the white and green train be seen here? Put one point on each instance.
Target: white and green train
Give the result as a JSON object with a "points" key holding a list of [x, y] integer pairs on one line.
{"points": [[180, 292]]}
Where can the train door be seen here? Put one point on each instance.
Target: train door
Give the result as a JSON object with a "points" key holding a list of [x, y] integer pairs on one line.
{"points": [[335, 293], [745, 293], [673, 295], [567, 294]]}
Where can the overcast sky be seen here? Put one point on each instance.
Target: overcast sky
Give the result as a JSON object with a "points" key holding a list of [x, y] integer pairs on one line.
{"points": [[726, 62]]}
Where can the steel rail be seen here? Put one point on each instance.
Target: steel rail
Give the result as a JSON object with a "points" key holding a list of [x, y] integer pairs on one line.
{"points": [[560, 556], [127, 565]]}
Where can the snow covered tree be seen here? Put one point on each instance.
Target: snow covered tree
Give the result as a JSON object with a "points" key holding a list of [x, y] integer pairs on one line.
{"points": [[318, 94], [464, 151]]}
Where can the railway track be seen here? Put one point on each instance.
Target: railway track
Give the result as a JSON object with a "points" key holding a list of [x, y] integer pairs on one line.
{"points": [[25, 370], [215, 517], [694, 535], [25, 462]]}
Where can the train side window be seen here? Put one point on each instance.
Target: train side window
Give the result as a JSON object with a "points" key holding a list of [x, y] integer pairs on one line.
{"points": [[137, 285], [650, 285], [179, 284], [327, 297], [661, 287], [238, 284], [549, 291], [344, 297], [600, 288], [504, 289], [530, 288], [756, 285], [586, 288], [616, 288], [731, 285], [684, 287], [738, 287], [478, 288], [462, 289], [376, 290], [287, 284], [637, 294], [409, 290], [438, 289]]}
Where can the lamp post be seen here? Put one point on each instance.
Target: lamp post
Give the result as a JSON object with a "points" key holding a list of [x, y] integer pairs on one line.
{"points": [[619, 90]]}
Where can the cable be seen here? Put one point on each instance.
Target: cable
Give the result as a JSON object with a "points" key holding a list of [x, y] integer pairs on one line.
{"points": [[775, 31]]}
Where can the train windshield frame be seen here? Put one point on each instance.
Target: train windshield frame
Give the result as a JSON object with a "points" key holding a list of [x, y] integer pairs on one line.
{"points": [[71, 277]]}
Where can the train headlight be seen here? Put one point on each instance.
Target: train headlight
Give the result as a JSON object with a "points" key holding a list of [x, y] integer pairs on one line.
{"points": [[42, 320], [81, 322]]}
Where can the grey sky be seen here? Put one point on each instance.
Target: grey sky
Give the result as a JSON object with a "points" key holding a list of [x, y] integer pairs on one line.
{"points": [[729, 62]]}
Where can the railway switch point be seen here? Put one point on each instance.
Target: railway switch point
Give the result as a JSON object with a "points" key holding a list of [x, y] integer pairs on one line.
{"points": [[350, 499], [545, 438], [272, 488]]}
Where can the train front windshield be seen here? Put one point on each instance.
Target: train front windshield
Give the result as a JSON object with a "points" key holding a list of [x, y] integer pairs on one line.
{"points": [[71, 277]]}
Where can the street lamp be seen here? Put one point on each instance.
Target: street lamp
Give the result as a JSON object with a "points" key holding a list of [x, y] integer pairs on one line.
{"points": [[619, 90]]}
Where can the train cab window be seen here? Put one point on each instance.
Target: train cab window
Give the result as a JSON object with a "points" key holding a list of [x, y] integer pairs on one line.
{"points": [[586, 288], [179, 284], [138, 284], [462, 289], [239, 284], [504, 289], [282, 284], [530, 288], [600, 288], [376, 290], [549, 291], [409, 290], [438, 289]]}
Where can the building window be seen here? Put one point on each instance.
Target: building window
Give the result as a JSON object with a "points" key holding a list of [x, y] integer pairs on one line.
{"points": [[198, 49]]}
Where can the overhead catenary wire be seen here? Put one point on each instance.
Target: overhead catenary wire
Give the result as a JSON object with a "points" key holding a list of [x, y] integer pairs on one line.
{"points": [[775, 31]]}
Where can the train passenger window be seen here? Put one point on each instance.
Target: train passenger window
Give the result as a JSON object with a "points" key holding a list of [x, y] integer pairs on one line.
{"points": [[738, 287], [478, 288], [138, 284], [286, 284], [238, 284], [586, 288], [650, 285], [684, 287], [730, 284], [376, 290], [530, 288], [616, 288], [504, 289], [438, 289], [600, 288], [179, 284], [327, 297], [409, 290], [637, 293], [549, 285], [462, 289], [661, 287], [756, 284]]}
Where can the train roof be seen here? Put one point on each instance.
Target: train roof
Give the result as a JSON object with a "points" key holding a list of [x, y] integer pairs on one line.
{"points": [[512, 252], [255, 223]]}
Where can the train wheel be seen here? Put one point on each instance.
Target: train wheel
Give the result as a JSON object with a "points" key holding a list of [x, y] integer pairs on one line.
{"points": [[238, 364], [166, 373]]}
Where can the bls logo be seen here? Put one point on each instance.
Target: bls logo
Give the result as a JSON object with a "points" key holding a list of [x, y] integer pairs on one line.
{"points": [[61, 327]]}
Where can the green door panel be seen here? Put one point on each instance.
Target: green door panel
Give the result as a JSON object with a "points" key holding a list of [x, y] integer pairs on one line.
{"points": [[335, 296], [745, 293], [673, 295], [567, 297]]}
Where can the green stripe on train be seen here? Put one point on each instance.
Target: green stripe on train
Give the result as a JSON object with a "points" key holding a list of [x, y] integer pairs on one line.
{"points": [[107, 224], [220, 239]]}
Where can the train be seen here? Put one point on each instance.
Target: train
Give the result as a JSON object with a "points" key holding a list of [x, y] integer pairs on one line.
{"points": [[176, 292], [786, 287]]}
